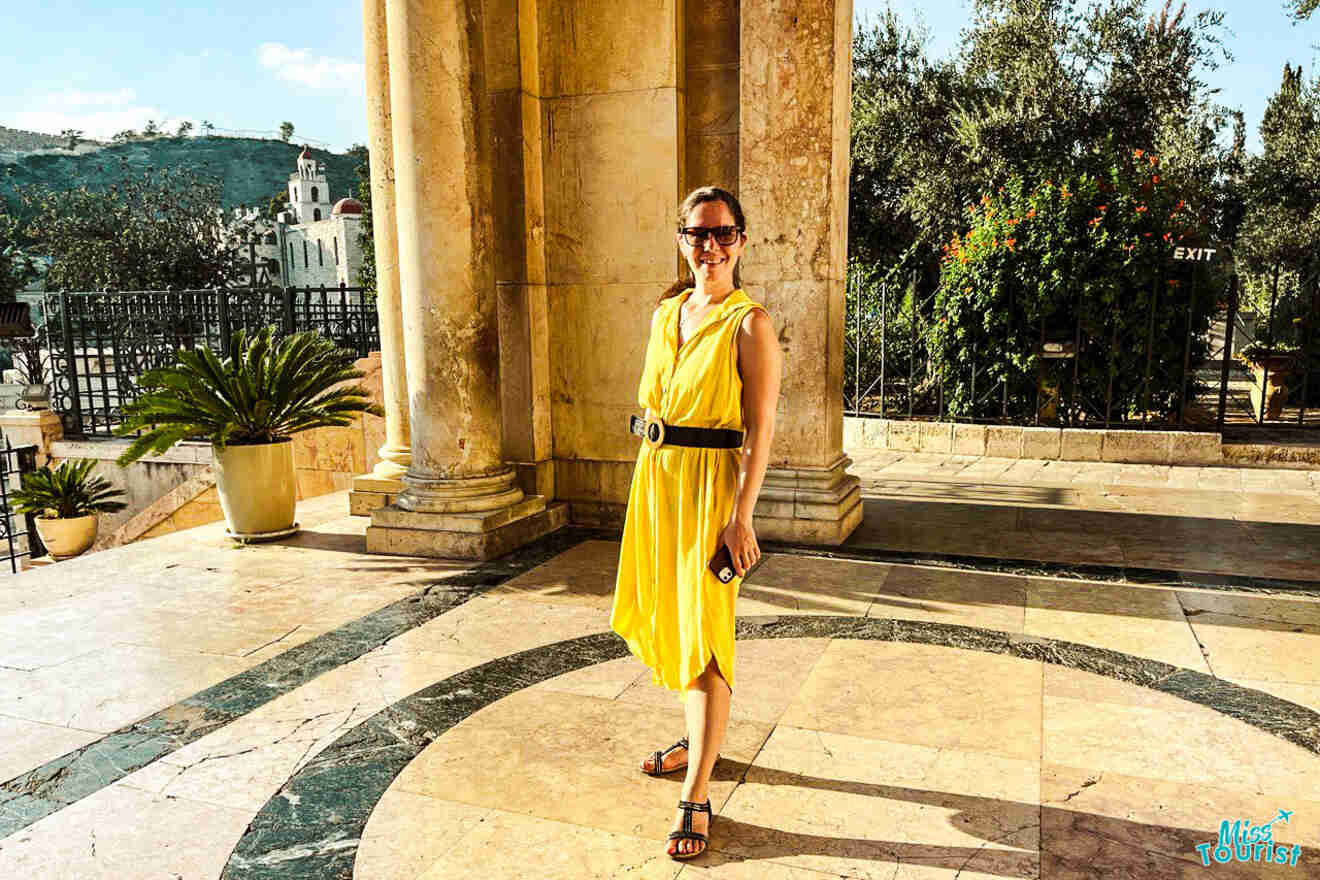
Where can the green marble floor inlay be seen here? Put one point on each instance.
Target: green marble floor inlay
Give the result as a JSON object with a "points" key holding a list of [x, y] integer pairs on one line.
{"points": [[73, 776], [312, 828]]}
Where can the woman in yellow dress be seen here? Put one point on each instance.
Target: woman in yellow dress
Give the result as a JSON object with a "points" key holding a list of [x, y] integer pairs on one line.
{"points": [[709, 385]]}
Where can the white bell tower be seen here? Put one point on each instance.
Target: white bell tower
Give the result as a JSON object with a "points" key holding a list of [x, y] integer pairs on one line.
{"points": [[309, 192]]}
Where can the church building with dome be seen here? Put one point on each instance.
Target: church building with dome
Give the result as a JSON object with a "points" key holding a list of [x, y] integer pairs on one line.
{"points": [[314, 241]]}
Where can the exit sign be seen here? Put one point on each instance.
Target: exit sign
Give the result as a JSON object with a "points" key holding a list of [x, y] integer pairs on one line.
{"points": [[1195, 255]]}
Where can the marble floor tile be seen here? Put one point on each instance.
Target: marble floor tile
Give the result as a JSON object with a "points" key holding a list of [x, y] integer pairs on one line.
{"points": [[108, 688], [570, 759], [120, 832], [1307, 695], [791, 584], [991, 601], [1146, 622], [582, 575], [948, 698], [408, 833], [1161, 816], [28, 744], [1279, 652], [856, 807], [519, 847], [767, 675], [487, 627], [605, 681], [1209, 748]]}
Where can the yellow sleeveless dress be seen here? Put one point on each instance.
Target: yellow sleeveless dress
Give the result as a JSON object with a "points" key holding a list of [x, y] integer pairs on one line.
{"points": [[673, 613]]}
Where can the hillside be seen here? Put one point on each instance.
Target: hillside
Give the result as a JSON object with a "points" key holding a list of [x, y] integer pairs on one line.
{"points": [[252, 170]]}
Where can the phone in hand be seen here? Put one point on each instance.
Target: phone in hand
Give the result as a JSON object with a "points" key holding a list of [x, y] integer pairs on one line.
{"points": [[721, 565]]}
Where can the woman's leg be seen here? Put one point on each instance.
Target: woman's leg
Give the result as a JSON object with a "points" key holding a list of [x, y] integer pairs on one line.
{"points": [[707, 711]]}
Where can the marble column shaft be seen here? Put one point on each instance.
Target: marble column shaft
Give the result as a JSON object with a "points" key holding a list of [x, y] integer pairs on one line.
{"points": [[793, 140], [394, 455], [443, 201]]}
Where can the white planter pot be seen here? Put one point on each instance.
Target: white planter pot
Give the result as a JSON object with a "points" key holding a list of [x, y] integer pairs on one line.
{"points": [[257, 489], [66, 538]]}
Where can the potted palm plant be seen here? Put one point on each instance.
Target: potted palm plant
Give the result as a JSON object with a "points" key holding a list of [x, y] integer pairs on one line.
{"points": [[249, 406], [66, 502]]}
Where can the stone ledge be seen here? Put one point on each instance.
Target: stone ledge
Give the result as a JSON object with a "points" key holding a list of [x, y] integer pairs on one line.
{"points": [[439, 544], [109, 449], [1064, 444]]}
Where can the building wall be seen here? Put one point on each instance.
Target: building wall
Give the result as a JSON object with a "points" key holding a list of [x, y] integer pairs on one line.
{"points": [[322, 270]]}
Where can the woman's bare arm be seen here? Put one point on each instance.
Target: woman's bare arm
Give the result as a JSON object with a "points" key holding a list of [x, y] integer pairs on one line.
{"points": [[759, 363]]}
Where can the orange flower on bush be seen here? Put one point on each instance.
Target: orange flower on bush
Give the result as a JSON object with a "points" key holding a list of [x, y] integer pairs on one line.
{"points": [[1138, 153], [1102, 208], [1031, 213], [1009, 242], [1155, 178], [1141, 209]]}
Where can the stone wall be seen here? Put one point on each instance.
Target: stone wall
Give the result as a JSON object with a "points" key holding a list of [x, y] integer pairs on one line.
{"points": [[175, 491], [1053, 444]]}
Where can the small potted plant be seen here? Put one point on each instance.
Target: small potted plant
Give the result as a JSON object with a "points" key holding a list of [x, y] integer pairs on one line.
{"points": [[1275, 362], [66, 501], [30, 362], [249, 405]]}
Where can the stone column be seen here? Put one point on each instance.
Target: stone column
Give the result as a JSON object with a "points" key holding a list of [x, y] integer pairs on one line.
{"points": [[460, 499], [795, 73], [383, 483]]}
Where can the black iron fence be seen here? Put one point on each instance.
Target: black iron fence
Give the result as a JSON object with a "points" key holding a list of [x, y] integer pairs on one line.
{"points": [[101, 342], [18, 532], [1164, 357]]}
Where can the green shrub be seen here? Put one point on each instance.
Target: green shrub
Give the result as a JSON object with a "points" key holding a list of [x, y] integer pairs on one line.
{"points": [[1045, 257], [68, 491]]}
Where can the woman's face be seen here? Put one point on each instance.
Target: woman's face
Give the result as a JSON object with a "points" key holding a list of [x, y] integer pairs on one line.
{"points": [[711, 262]]}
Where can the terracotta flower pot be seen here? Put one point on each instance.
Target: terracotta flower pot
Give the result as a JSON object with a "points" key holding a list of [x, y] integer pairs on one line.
{"points": [[257, 489], [66, 538], [1281, 369]]}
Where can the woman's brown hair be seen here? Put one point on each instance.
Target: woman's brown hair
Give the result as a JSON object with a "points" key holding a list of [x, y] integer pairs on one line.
{"points": [[694, 198]]}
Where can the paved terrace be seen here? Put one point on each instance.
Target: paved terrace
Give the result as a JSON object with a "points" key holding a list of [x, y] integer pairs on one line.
{"points": [[926, 702]]}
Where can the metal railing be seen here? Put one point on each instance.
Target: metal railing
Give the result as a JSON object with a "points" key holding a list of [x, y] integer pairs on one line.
{"points": [[101, 342], [1166, 359], [18, 532]]}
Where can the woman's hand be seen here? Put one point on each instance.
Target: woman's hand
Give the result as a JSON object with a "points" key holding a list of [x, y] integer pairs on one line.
{"points": [[740, 538]]}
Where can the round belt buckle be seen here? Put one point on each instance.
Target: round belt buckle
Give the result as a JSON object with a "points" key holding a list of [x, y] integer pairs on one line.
{"points": [[655, 433]]}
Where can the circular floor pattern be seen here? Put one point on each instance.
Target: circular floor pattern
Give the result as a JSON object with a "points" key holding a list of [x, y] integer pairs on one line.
{"points": [[313, 826]]}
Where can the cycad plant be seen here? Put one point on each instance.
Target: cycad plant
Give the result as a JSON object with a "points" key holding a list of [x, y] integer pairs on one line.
{"points": [[67, 492], [267, 390]]}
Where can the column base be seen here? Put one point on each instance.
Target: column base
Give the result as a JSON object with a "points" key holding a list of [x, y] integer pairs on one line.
{"points": [[476, 535], [371, 492], [820, 506]]}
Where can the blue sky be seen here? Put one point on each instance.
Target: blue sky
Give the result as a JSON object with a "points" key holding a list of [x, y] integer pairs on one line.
{"points": [[1260, 36], [105, 66]]}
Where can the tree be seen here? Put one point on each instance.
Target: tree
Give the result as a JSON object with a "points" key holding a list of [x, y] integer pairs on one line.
{"points": [[278, 202], [1281, 228], [151, 230], [151, 129], [207, 128], [17, 269], [185, 128], [125, 136], [1036, 89], [1302, 9], [366, 236], [73, 135], [286, 131]]}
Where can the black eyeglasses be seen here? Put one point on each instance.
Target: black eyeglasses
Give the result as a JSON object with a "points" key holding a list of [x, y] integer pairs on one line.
{"points": [[695, 236]]}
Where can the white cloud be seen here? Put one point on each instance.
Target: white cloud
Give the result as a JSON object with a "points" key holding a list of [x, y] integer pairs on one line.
{"points": [[100, 121], [119, 98], [306, 68]]}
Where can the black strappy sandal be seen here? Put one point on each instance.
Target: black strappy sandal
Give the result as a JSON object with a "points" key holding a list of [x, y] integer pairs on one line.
{"points": [[688, 808], [658, 760]]}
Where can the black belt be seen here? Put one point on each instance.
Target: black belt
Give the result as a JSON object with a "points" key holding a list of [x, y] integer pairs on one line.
{"points": [[656, 434]]}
